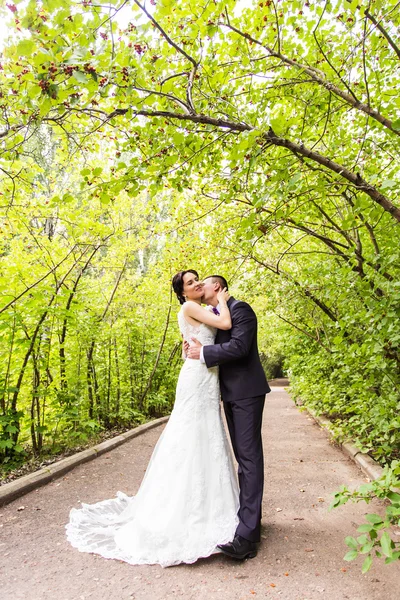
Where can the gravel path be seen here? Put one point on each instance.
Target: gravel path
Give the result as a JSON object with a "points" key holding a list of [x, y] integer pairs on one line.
{"points": [[300, 557]]}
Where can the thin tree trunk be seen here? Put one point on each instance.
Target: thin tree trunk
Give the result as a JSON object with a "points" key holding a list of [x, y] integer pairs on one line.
{"points": [[30, 287], [169, 363], [117, 372], [35, 406], [90, 366], [96, 391], [3, 404], [108, 392], [14, 400], [90, 387], [149, 382], [131, 371], [63, 378]]}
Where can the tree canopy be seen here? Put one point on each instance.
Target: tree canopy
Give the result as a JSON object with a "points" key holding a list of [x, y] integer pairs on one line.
{"points": [[259, 139]]}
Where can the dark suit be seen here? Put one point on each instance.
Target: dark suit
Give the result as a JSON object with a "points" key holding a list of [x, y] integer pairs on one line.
{"points": [[243, 388]]}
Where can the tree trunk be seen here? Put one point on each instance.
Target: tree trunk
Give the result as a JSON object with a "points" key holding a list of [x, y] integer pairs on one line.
{"points": [[149, 382]]}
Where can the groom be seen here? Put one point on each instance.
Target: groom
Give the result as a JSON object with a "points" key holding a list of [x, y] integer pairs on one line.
{"points": [[243, 388]]}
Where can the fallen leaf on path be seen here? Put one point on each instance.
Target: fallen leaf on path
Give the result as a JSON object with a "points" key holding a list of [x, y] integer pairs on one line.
{"points": [[278, 509], [298, 519], [21, 508], [286, 574], [321, 499], [302, 490], [272, 585], [343, 569], [308, 549], [252, 592], [241, 576]]}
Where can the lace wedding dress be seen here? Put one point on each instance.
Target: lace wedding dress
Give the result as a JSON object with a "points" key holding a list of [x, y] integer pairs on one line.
{"points": [[188, 500]]}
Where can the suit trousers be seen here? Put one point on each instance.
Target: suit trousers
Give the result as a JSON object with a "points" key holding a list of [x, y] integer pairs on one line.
{"points": [[244, 418]]}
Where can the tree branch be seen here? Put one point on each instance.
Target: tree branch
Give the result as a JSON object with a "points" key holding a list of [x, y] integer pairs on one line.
{"points": [[165, 35], [318, 77]]}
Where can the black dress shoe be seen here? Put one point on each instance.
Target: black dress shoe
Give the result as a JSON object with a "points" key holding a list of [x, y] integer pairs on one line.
{"points": [[239, 548]]}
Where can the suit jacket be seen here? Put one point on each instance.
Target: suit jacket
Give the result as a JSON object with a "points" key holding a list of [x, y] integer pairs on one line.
{"points": [[236, 352]]}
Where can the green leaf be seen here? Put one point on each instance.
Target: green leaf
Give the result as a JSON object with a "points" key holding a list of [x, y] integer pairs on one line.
{"points": [[25, 47], [366, 564], [6, 443], [388, 183], [351, 542], [79, 76], [34, 90], [386, 544], [395, 556], [105, 198], [178, 138], [45, 107], [354, 5], [362, 539], [351, 555], [68, 197], [394, 497], [374, 519], [396, 125], [366, 547], [365, 528], [11, 429], [292, 182]]}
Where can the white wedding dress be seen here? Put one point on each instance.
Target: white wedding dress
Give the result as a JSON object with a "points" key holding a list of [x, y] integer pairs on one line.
{"points": [[188, 500]]}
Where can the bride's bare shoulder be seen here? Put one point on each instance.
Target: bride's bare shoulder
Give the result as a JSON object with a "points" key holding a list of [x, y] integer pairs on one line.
{"points": [[189, 305]]}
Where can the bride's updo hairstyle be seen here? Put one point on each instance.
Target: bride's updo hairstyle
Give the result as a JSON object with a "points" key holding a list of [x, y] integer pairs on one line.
{"points": [[177, 284]]}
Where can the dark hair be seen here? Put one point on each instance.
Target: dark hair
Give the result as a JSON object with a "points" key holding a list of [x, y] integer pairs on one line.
{"points": [[177, 283], [218, 279]]}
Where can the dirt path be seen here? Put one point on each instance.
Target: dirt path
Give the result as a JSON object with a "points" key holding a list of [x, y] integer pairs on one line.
{"points": [[300, 557]]}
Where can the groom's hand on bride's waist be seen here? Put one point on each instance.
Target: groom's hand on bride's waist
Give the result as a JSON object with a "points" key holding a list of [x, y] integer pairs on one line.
{"points": [[193, 349]]}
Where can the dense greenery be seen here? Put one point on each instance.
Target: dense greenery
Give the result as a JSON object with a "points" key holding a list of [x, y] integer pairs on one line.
{"points": [[261, 141], [374, 533], [125, 140], [258, 140]]}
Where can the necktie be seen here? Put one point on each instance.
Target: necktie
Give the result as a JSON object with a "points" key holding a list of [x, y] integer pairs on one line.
{"points": [[215, 310]]}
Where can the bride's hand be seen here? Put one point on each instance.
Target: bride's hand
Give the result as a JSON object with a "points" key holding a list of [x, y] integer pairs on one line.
{"points": [[223, 296]]}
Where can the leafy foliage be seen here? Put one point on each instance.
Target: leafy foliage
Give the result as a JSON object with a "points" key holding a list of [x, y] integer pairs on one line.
{"points": [[261, 141], [375, 538]]}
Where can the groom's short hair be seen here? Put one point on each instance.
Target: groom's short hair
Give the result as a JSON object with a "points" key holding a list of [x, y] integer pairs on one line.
{"points": [[218, 279]]}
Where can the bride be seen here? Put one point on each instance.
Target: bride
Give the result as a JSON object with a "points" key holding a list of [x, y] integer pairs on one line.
{"points": [[188, 501]]}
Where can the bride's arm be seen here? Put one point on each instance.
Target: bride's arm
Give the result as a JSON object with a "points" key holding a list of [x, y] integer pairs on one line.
{"points": [[221, 321]]}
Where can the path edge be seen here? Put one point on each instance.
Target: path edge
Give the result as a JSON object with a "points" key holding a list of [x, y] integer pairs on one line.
{"points": [[365, 462], [21, 486]]}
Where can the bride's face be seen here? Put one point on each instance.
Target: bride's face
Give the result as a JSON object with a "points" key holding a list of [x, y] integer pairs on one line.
{"points": [[192, 287]]}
